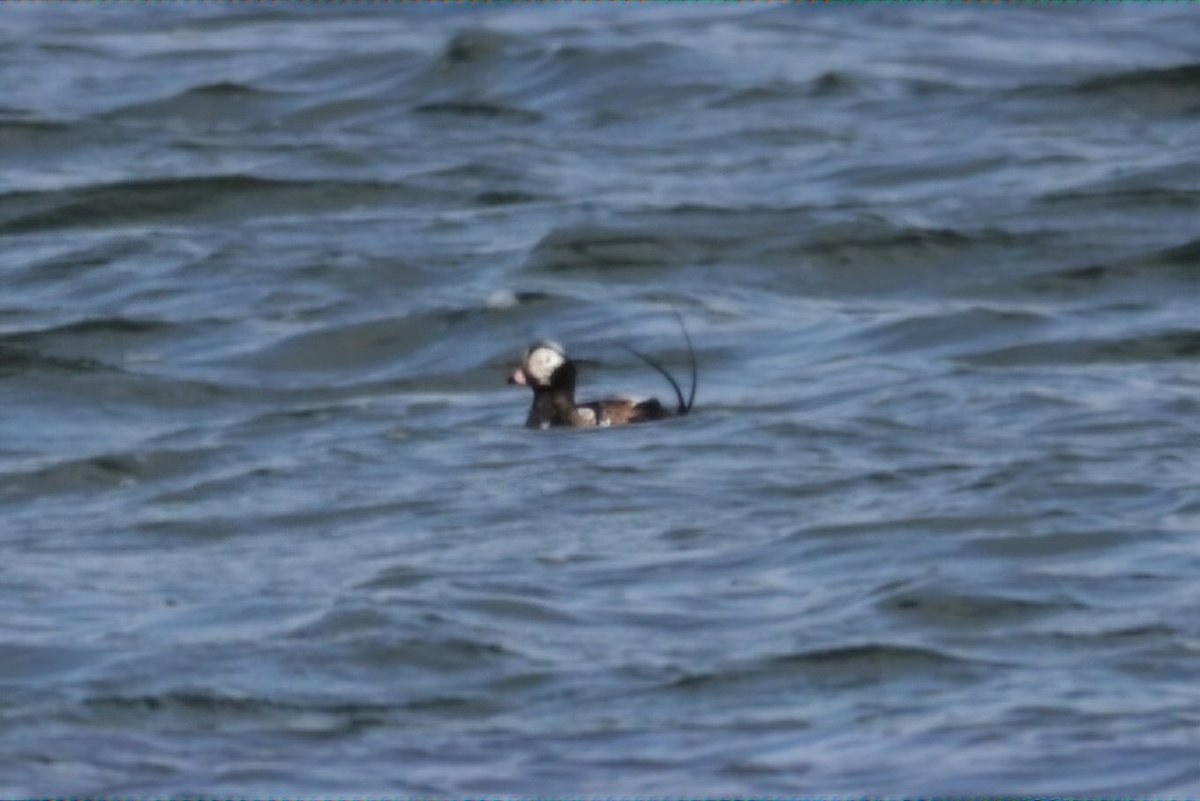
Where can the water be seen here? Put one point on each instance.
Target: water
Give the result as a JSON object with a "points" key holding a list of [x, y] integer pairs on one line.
{"points": [[272, 523]]}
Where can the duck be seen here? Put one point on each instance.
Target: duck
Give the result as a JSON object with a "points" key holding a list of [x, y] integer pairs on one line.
{"points": [[550, 373]]}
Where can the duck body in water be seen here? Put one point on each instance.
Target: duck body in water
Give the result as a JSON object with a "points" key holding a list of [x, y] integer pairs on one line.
{"points": [[548, 371]]}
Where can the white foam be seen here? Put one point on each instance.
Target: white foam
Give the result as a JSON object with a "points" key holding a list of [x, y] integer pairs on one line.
{"points": [[502, 299]]}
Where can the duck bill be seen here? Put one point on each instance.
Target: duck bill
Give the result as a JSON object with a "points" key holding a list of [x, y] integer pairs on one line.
{"points": [[518, 377]]}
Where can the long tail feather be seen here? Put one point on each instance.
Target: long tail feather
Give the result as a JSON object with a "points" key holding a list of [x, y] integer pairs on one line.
{"points": [[684, 406], [691, 359]]}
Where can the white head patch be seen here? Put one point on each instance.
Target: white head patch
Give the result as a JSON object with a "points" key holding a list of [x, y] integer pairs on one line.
{"points": [[542, 360]]}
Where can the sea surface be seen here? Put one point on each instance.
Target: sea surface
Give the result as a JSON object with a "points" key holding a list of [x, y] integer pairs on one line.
{"points": [[271, 524]]}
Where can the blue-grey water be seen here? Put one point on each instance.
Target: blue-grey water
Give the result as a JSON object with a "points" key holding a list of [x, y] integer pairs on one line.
{"points": [[270, 520]]}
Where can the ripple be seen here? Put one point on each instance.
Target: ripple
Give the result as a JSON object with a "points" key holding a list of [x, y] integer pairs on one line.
{"points": [[953, 329], [1157, 272], [1156, 90], [947, 609], [204, 105], [599, 249], [842, 666], [479, 108], [15, 361], [203, 198], [83, 329], [103, 472], [1167, 346]]}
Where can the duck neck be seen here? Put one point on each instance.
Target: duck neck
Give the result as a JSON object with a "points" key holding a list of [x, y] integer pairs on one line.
{"points": [[551, 407]]}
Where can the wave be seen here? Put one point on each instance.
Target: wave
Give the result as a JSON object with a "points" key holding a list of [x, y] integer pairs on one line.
{"points": [[93, 326], [103, 472], [1176, 345], [194, 199], [869, 662], [1184, 79], [479, 108]]}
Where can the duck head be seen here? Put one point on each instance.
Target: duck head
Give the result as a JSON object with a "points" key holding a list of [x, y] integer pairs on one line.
{"points": [[545, 367]]}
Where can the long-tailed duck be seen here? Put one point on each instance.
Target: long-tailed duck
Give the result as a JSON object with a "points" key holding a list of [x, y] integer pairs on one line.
{"points": [[551, 375]]}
